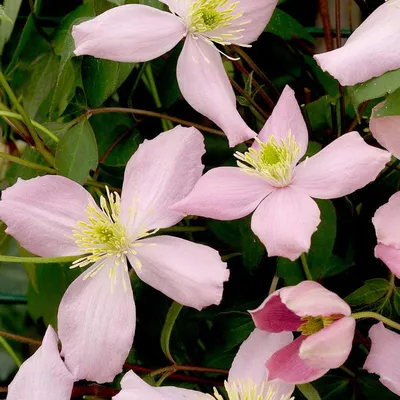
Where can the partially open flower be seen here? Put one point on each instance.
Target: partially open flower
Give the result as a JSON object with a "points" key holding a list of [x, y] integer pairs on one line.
{"points": [[383, 359], [43, 376], [387, 226], [138, 33], [248, 377], [371, 50], [325, 326]]}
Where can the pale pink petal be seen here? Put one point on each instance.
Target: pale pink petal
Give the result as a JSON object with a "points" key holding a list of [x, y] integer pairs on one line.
{"points": [[331, 346], [371, 50], [161, 172], [342, 167], [386, 130], [387, 222], [285, 222], [286, 118], [225, 193], [43, 376], [135, 388], [41, 214], [205, 86], [182, 8], [287, 365], [311, 298], [256, 15], [255, 351], [96, 323], [274, 316], [390, 256], [130, 33], [189, 273], [384, 356]]}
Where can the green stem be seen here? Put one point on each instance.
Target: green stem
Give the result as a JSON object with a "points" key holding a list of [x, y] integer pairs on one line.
{"points": [[26, 163], [348, 371], [38, 143], [306, 269], [379, 317], [172, 316], [175, 368], [153, 88], [10, 351], [38, 260], [50, 134]]}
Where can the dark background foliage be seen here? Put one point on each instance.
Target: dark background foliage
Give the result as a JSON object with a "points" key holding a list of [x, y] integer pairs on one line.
{"points": [[78, 99]]}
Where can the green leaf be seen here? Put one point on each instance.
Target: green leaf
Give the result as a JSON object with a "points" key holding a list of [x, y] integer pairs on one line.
{"points": [[309, 391], [4, 16], [391, 105], [290, 271], [8, 15], [323, 240], [287, 27], [375, 88], [77, 152], [45, 293], [166, 332], [117, 2], [371, 292], [42, 78], [372, 389]]}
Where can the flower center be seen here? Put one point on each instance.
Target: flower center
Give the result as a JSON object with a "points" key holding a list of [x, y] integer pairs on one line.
{"points": [[210, 15], [315, 324], [273, 160], [248, 390]]}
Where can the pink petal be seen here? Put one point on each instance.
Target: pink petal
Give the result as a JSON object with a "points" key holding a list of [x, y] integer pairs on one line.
{"points": [[287, 365], [249, 363], [205, 86], [96, 325], [130, 33], [387, 222], [43, 376], [285, 222], [331, 346], [286, 117], [41, 214], [161, 172], [311, 298], [189, 273], [182, 8], [134, 388], [256, 15], [225, 193], [390, 256], [274, 316], [386, 130], [342, 167], [371, 50], [384, 356]]}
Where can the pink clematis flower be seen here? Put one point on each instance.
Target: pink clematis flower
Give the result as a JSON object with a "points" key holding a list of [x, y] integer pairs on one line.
{"points": [[326, 327], [386, 221], [53, 216], [386, 130], [269, 182], [43, 376], [371, 50], [384, 356], [247, 376], [138, 33]]}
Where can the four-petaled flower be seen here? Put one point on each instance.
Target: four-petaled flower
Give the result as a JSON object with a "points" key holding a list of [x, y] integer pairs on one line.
{"points": [[326, 328], [138, 33], [53, 216], [247, 377], [269, 182]]}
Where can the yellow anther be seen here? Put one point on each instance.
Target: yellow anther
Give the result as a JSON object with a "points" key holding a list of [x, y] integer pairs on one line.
{"points": [[315, 324]]}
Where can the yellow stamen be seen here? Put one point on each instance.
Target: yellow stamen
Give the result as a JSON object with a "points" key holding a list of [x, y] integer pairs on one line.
{"points": [[315, 324]]}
